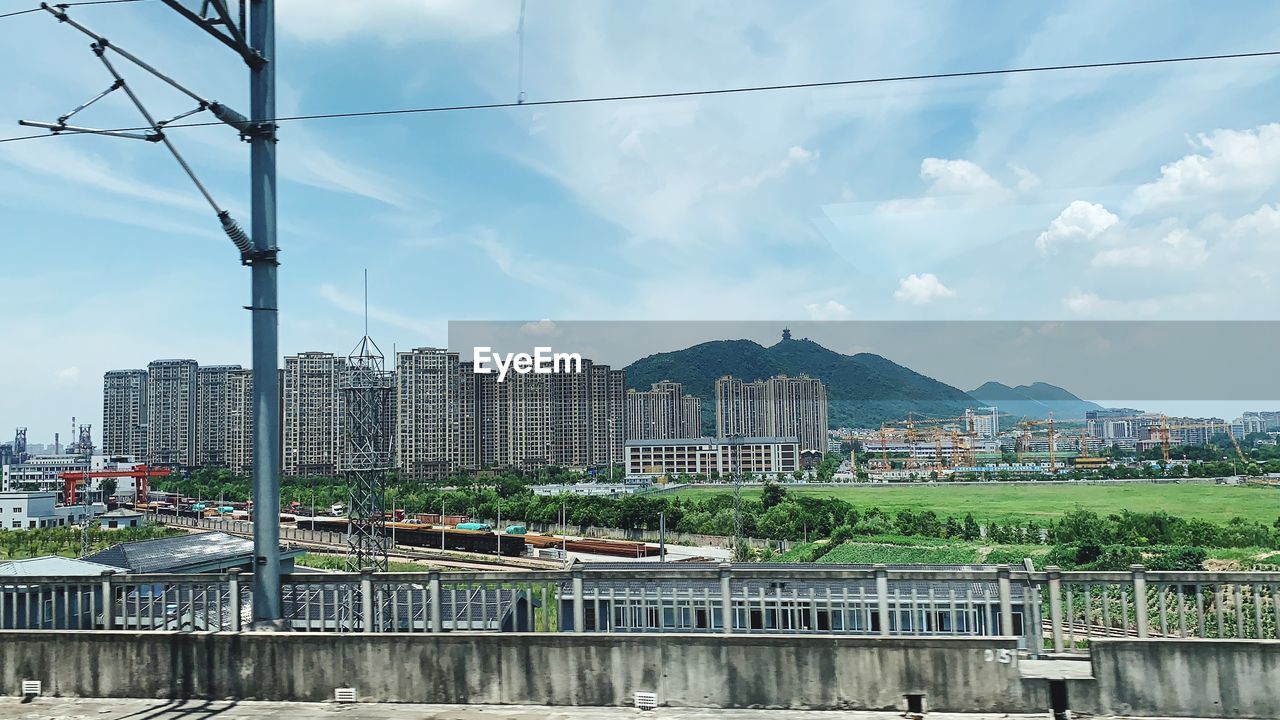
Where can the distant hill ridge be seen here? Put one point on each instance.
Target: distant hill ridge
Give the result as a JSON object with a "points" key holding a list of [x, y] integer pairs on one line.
{"points": [[1036, 400], [863, 390]]}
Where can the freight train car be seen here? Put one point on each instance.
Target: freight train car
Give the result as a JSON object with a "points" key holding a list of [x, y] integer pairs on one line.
{"points": [[473, 541], [416, 535]]}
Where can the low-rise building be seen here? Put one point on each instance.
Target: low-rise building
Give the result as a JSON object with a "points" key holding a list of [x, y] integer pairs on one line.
{"points": [[197, 553], [722, 457], [36, 510], [121, 519]]}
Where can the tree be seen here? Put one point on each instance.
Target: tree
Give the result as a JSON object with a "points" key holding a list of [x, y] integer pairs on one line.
{"points": [[108, 487], [772, 494], [970, 531]]}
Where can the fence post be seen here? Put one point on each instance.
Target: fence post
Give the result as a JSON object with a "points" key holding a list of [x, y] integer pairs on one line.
{"points": [[433, 581], [1055, 605], [726, 598], [366, 600], [1139, 598], [882, 597], [1006, 600], [233, 597], [108, 601], [579, 604]]}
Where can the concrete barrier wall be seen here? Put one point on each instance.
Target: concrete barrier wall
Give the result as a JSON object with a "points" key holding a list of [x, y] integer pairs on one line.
{"points": [[1182, 678], [816, 672]]}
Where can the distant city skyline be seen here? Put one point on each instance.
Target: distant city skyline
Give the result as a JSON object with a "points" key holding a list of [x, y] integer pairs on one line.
{"points": [[1127, 193]]}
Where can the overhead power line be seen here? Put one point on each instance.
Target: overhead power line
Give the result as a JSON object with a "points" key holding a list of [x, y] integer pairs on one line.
{"points": [[69, 5], [719, 91]]}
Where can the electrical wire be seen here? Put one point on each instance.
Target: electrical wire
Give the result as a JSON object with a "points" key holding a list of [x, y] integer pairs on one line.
{"points": [[719, 91], [69, 4]]}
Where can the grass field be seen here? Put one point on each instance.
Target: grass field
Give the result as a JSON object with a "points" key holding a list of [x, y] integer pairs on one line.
{"points": [[1216, 503]]}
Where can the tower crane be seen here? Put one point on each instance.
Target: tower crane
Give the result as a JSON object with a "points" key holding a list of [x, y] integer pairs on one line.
{"points": [[1162, 432]]}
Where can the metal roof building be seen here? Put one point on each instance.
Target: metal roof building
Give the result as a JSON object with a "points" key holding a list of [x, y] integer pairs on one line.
{"points": [[194, 553]]}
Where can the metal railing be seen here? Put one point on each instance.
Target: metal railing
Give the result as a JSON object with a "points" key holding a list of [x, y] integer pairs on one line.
{"points": [[1050, 609]]}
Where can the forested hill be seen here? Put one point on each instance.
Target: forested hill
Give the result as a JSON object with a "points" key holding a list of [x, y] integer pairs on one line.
{"points": [[1036, 400], [863, 390]]}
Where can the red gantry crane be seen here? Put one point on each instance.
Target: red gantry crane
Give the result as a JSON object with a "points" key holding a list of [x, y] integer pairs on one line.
{"points": [[140, 474]]}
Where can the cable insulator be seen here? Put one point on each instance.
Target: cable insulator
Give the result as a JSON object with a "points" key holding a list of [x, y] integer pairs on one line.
{"points": [[230, 117], [235, 232]]}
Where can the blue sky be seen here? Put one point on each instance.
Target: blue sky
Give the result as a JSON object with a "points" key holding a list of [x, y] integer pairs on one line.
{"points": [[1112, 194]]}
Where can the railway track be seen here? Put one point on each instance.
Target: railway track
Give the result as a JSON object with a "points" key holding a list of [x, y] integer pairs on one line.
{"points": [[435, 558]]}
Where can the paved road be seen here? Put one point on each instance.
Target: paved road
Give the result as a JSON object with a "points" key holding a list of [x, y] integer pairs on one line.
{"points": [[69, 709]]}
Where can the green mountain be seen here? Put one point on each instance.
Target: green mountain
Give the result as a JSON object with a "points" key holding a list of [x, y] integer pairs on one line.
{"points": [[863, 390], [1036, 400]]}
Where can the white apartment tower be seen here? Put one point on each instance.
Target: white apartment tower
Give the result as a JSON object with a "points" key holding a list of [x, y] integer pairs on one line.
{"points": [[212, 420], [171, 412], [239, 414], [663, 412], [788, 407], [431, 400], [124, 413], [312, 413]]}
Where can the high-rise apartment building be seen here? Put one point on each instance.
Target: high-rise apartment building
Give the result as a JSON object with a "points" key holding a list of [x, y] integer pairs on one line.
{"points": [[432, 397], [608, 399], [451, 419], [740, 408], [663, 412], [124, 413], [781, 406], [212, 420], [172, 400], [312, 413], [239, 415]]}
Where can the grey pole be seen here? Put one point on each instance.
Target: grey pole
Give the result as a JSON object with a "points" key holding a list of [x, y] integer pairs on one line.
{"points": [[266, 381], [662, 537]]}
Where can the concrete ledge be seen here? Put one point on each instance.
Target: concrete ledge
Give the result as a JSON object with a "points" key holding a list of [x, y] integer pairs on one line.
{"points": [[736, 671], [1182, 678]]}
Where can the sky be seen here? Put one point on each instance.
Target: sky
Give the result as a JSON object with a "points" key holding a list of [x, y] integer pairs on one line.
{"points": [[1144, 193]]}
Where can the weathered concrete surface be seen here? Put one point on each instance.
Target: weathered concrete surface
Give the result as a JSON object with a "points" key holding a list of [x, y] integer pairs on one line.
{"points": [[68, 709], [809, 672], [1182, 678]]}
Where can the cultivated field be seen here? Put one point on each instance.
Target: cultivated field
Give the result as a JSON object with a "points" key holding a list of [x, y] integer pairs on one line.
{"points": [[1002, 502]]}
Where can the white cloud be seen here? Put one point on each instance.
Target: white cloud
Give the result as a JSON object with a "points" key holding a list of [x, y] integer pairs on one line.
{"points": [[829, 310], [958, 177], [1079, 221], [921, 289], [795, 157], [314, 166], [541, 328], [355, 306], [1260, 227], [397, 21], [1179, 248], [525, 269], [1027, 180], [58, 159], [1089, 304], [1229, 161], [67, 374]]}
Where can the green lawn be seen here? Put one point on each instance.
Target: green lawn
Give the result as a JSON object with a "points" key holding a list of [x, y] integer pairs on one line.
{"points": [[1000, 502]]}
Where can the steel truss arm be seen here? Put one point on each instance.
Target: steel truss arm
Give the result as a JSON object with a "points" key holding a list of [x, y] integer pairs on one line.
{"points": [[232, 38]]}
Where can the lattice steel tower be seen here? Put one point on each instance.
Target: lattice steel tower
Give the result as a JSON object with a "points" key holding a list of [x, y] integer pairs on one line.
{"points": [[367, 389]]}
